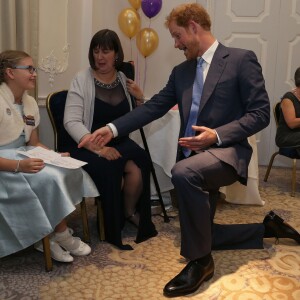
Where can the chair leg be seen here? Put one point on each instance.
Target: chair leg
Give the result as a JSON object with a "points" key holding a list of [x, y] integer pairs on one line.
{"points": [[47, 254], [294, 177], [85, 224], [270, 166], [100, 219], [160, 199]]}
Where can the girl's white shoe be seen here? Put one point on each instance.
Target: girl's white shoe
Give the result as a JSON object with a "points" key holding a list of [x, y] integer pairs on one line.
{"points": [[70, 243], [57, 253]]}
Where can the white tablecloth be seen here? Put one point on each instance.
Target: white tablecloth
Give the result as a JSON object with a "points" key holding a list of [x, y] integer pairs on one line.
{"points": [[162, 139], [240, 194]]}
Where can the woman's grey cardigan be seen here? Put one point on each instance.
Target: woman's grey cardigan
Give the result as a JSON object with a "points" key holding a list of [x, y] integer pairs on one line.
{"points": [[79, 109]]}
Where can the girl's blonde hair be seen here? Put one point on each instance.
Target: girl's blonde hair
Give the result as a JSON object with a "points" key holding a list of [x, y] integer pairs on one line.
{"points": [[9, 59]]}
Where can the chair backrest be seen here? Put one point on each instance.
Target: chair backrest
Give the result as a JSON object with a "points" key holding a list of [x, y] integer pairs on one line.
{"points": [[55, 104], [128, 69]]}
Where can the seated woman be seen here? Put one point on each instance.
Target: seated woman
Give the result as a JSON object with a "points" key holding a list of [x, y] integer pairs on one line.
{"points": [[288, 130], [34, 198], [121, 170]]}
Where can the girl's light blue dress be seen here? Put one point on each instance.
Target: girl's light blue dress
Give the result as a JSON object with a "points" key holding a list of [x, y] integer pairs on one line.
{"points": [[31, 205]]}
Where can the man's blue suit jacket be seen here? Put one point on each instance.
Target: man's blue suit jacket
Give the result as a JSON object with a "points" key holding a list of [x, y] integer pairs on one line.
{"points": [[234, 102]]}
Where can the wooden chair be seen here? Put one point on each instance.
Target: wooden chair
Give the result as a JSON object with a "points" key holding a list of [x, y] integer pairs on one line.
{"points": [[287, 152], [47, 254], [55, 104]]}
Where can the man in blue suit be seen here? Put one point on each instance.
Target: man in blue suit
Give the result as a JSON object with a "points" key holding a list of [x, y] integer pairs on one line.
{"points": [[230, 104]]}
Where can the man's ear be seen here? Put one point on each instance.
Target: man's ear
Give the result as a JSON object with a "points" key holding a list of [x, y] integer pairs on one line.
{"points": [[193, 26]]}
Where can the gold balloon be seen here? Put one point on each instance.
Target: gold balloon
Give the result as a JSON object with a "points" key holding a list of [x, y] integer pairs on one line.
{"points": [[147, 41], [129, 22], [135, 3]]}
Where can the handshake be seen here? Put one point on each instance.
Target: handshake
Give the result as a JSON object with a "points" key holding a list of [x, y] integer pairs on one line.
{"points": [[99, 137]]}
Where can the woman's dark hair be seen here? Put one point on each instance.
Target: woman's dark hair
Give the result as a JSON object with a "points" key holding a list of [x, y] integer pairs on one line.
{"points": [[106, 39], [297, 77]]}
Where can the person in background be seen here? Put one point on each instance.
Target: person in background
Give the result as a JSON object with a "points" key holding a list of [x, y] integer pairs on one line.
{"points": [[227, 97], [121, 169], [35, 198], [288, 129]]}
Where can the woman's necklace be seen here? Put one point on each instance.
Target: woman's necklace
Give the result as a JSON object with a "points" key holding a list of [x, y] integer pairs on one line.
{"points": [[108, 86]]}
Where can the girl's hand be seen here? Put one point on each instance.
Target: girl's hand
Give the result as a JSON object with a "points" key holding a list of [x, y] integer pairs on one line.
{"points": [[31, 165]]}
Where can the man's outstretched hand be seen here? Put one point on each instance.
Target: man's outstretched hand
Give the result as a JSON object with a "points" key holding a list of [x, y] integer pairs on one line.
{"points": [[99, 137], [203, 139]]}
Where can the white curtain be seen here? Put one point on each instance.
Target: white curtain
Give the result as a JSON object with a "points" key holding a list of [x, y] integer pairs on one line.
{"points": [[19, 20]]}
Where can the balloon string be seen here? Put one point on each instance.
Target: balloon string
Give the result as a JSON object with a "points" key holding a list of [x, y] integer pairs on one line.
{"points": [[150, 23], [130, 48], [145, 72], [138, 69]]}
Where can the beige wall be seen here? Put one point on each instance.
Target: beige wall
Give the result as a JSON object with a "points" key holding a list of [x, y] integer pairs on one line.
{"points": [[85, 17], [75, 32]]}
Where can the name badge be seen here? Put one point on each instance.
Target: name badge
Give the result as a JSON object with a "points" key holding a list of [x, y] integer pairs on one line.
{"points": [[29, 120]]}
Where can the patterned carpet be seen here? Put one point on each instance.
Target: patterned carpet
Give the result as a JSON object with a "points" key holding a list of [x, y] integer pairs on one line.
{"points": [[270, 274]]}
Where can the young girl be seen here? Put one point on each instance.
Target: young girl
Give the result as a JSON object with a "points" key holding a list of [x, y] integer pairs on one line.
{"points": [[34, 198]]}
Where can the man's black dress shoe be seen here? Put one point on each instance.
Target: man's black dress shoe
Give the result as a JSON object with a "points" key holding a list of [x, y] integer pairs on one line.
{"points": [[190, 278], [276, 227]]}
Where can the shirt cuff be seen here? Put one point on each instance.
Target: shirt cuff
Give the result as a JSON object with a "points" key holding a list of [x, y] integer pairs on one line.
{"points": [[113, 129], [219, 143]]}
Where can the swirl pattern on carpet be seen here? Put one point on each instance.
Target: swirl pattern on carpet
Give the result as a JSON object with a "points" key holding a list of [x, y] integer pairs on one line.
{"points": [[108, 273]]}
